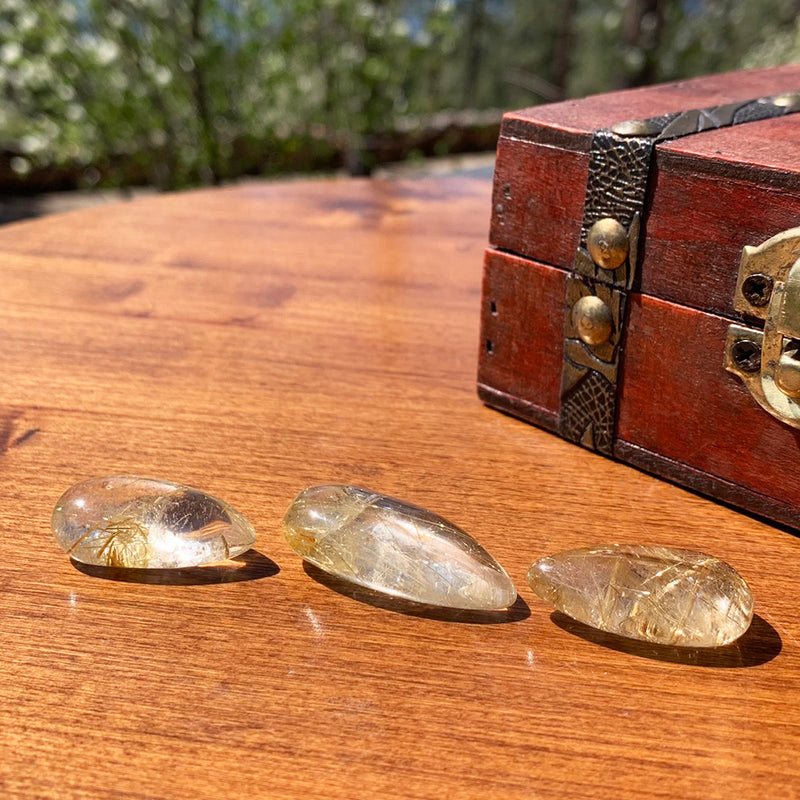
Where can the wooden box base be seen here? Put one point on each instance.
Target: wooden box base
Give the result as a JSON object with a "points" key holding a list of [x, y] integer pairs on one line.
{"points": [[680, 415]]}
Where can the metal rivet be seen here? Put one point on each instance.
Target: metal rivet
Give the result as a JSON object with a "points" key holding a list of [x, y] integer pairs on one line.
{"points": [[592, 319], [607, 243], [637, 127], [757, 289], [746, 354]]}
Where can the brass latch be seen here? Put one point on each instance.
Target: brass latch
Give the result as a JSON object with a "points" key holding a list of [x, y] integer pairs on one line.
{"points": [[768, 362]]}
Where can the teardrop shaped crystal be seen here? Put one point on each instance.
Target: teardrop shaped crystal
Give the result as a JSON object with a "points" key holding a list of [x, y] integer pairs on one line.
{"points": [[126, 521], [396, 548], [657, 594]]}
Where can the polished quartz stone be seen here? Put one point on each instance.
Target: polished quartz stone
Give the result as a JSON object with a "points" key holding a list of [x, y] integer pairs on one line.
{"points": [[125, 521], [658, 594], [396, 548]]}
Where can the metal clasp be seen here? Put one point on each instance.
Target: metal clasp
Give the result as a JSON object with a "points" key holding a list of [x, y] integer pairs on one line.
{"points": [[768, 362]]}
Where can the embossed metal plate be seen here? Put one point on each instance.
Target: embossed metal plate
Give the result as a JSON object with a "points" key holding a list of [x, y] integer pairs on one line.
{"points": [[617, 186]]}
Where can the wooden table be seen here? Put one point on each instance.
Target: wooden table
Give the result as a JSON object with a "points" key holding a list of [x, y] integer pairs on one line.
{"points": [[251, 341]]}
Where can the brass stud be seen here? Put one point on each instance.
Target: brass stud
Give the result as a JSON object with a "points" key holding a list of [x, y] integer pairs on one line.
{"points": [[607, 243], [592, 318], [637, 127]]}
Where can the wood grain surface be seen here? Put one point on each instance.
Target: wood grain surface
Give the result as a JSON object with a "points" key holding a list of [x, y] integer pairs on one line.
{"points": [[251, 341]]}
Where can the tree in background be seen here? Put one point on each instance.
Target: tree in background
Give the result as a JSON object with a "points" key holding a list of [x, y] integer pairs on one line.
{"points": [[184, 92], [783, 47]]}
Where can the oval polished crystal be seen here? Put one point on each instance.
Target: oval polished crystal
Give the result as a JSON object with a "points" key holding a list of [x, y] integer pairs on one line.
{"points": [[658, 594], [396, 548], [126, 521]]}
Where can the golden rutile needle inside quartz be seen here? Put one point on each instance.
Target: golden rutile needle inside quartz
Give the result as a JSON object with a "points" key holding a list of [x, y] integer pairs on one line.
{"points": [[126, 521], [396, 548], [657, 594]]}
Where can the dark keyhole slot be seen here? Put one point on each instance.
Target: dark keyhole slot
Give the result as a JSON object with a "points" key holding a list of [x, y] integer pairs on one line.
{"points": [[489, 346], [493, 307]]}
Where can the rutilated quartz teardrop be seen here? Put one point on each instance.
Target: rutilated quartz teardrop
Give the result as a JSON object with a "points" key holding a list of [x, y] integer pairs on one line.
{"points": [[127, 521], [396, 548], [658, 594]]}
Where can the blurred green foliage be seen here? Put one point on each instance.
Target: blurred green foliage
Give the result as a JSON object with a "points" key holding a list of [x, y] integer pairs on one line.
{"points": [[182, 92]]}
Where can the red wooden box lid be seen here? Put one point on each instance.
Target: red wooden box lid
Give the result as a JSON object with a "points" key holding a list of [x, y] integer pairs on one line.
{"points": [[711, 192]]}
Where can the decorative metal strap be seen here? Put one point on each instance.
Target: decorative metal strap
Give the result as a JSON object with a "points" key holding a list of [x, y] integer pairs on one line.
{"points": [[606, 260]]}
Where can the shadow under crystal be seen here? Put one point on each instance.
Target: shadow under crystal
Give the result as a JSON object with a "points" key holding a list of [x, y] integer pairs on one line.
{"points": [[249, 566], [399, 605], [759, 644]]}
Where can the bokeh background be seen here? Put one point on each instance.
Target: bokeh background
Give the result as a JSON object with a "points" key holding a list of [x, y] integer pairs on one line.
{"points": [[179, 93]]}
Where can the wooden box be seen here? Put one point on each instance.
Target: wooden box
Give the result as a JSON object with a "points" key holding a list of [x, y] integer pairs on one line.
{"points": [[661, 359]]}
